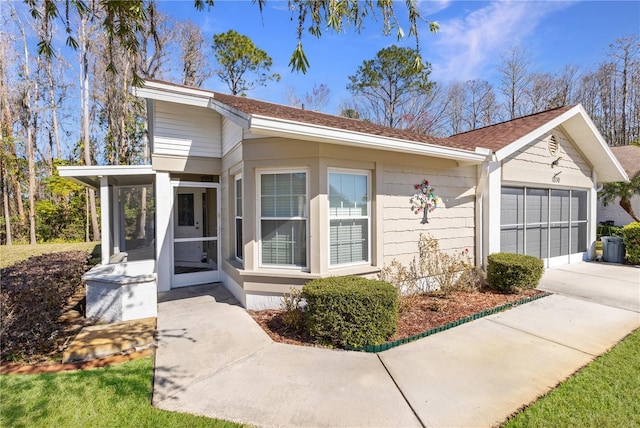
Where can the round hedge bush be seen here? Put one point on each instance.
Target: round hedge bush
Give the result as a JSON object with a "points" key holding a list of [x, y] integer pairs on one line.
{"points": [[351, 311], [631, 233], [507, 272]]}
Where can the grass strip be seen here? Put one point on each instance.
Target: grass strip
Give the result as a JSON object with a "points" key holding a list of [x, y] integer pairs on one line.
{"points": [[18, 252], [606, 393], [116, 396]]}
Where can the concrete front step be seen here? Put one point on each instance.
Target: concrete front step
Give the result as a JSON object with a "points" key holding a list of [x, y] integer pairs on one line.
{"points": [[99, 341]]}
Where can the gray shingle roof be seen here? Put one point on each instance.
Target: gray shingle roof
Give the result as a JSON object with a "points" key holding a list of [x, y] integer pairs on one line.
{"points": [[492, 137], [629, 158]]}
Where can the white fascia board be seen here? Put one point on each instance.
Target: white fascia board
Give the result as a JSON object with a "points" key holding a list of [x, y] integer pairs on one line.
{"points": [[105, 170], [90, 175], [168, 87], [285, 128], [602, 145], [596, 150], [172, 97], [171, 93], [236, 116], [523, 141]]}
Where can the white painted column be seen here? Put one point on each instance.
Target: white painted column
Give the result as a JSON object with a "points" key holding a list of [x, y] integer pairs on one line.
{"points": [[117, 226], [592, 218], [492, 207], [105, 211], [378, 215], [164, 230]]}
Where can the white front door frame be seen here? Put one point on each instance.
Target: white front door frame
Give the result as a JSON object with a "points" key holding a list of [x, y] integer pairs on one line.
{"points": [[187, 279]]}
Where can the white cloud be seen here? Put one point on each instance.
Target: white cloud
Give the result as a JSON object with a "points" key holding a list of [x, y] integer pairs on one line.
{"points": [[469, 47], [430, 7]]}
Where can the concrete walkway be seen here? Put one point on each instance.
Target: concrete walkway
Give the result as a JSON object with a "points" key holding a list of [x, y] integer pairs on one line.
{"points": [[212, 359]]}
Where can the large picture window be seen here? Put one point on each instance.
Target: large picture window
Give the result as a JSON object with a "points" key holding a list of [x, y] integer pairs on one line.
{"points": [[348, 218], [283, 218]]}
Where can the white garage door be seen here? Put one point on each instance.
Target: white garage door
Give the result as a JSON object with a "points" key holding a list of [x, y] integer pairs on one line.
{"points": [[551, 224]]}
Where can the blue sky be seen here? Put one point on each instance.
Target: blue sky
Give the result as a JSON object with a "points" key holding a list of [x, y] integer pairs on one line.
{"points": [[472, 36]]}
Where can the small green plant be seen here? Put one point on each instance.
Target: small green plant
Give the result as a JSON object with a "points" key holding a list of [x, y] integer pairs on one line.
{"points": [[292, 313], [350, 311], [432, 270], [631, 236], [507, 272]]}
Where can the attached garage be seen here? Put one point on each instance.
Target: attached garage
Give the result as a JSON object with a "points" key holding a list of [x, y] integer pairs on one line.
{"points": [[538, 194], [551, 224]]}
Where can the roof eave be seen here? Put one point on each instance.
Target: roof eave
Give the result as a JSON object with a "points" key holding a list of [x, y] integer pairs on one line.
{"points": [[91, 175], [265, 125], [595, 150], [160, 91]]}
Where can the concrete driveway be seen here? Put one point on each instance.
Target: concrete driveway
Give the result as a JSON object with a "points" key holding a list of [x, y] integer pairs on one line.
{"points": [[605, 283], [214, 360]]}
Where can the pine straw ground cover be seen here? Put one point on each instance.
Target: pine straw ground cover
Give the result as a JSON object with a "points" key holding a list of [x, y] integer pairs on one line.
{"points": [[35, 294], [422, 313]]}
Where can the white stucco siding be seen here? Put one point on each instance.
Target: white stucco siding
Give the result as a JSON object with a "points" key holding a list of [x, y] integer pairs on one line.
{"points": [[614, 212], [184, 130], [453, 225], [532, 164]]}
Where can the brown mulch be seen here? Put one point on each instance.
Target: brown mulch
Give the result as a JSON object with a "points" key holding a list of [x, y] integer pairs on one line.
{"points": [[423, 313]]}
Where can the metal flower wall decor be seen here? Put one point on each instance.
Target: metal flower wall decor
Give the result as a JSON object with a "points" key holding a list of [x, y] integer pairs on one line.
{"points": [[424, 200]]}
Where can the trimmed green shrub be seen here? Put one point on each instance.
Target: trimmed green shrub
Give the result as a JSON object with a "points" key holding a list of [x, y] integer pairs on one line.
{"points": [[507, 272], [607, 230], [350, 311], [631, 236]]}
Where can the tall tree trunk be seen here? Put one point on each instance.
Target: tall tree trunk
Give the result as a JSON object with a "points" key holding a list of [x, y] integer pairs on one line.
{"points": [[17, 193], [624, 95], [29, 141], [27, 123], [86, 141], [6, 133], [54, 111], [626, 205], [5, 203]]}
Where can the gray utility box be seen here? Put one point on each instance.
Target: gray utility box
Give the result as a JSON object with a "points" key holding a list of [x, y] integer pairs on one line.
{"points": [[613, 250]]}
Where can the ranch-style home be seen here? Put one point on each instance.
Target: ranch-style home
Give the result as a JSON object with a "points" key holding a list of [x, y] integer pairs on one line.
{"points": [[262, 197]]}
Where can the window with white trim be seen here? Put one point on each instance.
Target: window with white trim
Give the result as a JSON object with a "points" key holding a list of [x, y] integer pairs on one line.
{"points": [[349, 218], [283, 218], [238, 217]]}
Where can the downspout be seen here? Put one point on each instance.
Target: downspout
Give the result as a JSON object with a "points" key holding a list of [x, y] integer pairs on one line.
{"points": [[592, 216], [480, 190]]}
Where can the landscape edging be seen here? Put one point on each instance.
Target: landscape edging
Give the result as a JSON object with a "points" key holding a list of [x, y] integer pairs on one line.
{"points": [[388, 345]]}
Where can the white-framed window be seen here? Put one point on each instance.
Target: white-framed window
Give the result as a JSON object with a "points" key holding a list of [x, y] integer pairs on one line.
{"points": [[349, 217], [238, 217], [283, 218]]}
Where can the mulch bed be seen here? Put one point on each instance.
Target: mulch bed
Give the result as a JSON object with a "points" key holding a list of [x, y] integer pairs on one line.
{"points": [[422, 314]]}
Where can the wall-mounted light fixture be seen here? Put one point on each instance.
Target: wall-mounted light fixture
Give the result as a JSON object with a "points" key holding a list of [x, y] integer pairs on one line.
{"points": [[555, 162]]}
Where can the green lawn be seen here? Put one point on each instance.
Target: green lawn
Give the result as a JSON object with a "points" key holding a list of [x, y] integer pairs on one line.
{"points": [[606, 393], [16, 253], [116, 396]]}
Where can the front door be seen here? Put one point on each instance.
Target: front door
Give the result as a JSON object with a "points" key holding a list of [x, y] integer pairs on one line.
{"points": [[195, 234]]}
